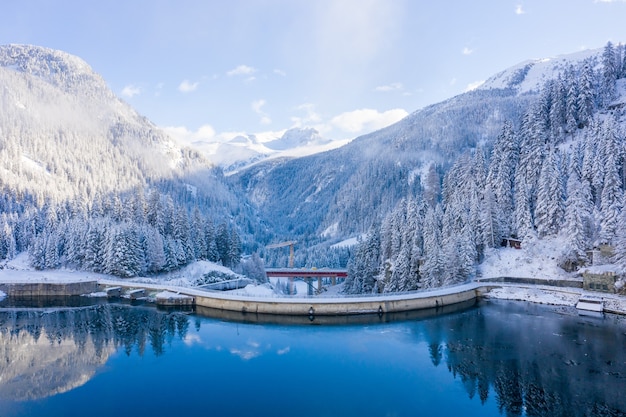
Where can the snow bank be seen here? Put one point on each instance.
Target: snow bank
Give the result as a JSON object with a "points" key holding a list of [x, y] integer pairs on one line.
{"points": [[169, 294], [263, 290], [537, 259], [535, 295], [190, 276]]}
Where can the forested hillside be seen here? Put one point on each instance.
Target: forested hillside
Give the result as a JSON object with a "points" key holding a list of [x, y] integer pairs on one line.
{"points": [[538, 150], [88, 183], [557, 170]]}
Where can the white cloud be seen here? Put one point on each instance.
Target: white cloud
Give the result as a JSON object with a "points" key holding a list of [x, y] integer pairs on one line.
{"points": [[358, 121], [467, 51], [389, 87], [186, 86], [241, 70], [453, 81], [205, 133], [130, 91], [257, 105], [474, 85], [310, 117], [519, 9], [280, 72]]}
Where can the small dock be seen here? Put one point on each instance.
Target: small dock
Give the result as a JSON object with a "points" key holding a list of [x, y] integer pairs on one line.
{"points": [[590, 305]]}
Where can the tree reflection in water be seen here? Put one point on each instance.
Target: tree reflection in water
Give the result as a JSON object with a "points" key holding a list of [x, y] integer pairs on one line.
{"points": [[530, 360], [537, 366], [49, 351]]}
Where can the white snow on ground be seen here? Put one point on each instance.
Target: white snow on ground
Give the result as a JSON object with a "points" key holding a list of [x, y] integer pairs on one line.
{"points": [[353, 241], [537, 259], [169, 294], [18, 270], [263, 290], [536, 295], [187, 276]]}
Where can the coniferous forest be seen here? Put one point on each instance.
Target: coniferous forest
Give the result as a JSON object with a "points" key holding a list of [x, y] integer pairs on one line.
{"points": [[557, 171], [102, 189]]}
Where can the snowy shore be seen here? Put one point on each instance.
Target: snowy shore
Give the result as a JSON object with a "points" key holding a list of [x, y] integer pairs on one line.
{"points": [[513, 262]]}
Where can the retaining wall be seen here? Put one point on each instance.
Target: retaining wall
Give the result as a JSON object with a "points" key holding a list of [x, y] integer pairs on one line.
{"points": [[48, 289], [343, 306]]}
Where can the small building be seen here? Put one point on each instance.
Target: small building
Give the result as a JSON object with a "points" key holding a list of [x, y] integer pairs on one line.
{"points": [[602, 281], [511, 242], [600, 255]]}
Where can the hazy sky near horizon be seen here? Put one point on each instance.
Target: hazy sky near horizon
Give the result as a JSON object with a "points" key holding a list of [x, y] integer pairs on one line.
{"points": [[211, 69]]}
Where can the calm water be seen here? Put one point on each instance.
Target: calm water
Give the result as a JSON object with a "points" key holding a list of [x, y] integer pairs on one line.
{"points": [[499, 358]]}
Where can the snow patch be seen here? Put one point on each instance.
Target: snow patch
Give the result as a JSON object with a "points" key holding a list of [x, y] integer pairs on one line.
{"points": [[2, 295], [537, 259], [353, 241], [535, 295], [331, 230], [166, 295]]}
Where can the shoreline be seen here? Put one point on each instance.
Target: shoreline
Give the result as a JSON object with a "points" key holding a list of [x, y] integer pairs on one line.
{"points": [[542, 293]]}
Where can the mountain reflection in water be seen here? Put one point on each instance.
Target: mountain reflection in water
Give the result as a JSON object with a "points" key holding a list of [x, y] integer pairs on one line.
{"points": [[49, 351], [515, 359]]}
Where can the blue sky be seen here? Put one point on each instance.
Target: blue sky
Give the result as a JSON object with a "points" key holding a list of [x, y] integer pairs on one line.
{"points": [[211, 69]]}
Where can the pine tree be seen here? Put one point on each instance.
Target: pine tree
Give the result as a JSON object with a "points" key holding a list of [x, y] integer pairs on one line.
{"points": [[577, 217], [620, 238], [586, 95], [432, 268], [363, 268], [609, 73], [222, 242], [522, 214], [501, 179], [549, 210], [234, 248], [611, 197]]}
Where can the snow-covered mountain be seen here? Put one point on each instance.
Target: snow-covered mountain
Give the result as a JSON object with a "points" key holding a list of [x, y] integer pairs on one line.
{"points": [[242, 151], [530, 76], [340, 193], [63, 133]]}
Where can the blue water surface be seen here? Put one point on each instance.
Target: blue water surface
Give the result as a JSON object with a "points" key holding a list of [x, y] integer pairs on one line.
{"points": [[496, 359]]}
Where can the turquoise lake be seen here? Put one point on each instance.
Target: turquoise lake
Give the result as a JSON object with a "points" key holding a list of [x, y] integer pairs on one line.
{"points": [[492, 359]]}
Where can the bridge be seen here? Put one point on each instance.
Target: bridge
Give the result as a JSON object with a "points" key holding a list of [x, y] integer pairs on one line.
{"points": [[307, 275]]}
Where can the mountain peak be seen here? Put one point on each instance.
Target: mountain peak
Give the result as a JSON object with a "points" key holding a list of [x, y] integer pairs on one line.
{"points": [[60, 69], [531, 75]]}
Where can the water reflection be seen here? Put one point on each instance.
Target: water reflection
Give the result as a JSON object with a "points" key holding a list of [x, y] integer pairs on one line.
{"points": [[49, 351], [515, 359], [537, 364]]}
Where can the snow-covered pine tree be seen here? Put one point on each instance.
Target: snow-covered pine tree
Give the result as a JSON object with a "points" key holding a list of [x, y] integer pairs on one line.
{"points": [[609, 74], [432, 269], [578, 208], [501, 179], [522, 215], [549, 209]]}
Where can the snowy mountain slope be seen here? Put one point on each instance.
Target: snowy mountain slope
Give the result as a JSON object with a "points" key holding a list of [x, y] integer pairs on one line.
{"points": [[340, 193], [242, 151], [530, 76], [345, 189], [63, 133]]}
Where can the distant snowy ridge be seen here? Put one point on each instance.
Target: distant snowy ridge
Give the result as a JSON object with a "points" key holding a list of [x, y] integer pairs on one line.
{"points": [[243, 150], [530, 76]]}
